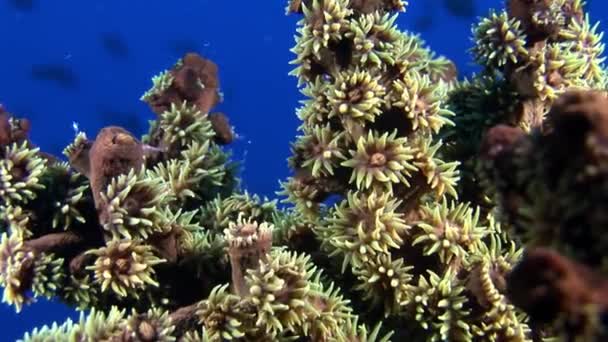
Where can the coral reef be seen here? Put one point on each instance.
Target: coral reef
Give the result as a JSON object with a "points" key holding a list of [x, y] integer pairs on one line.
{"points": [[551, 188], [421, 207], [531, 52]]}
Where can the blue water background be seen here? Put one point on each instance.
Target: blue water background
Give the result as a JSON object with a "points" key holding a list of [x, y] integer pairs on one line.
{"points": [[249, 40]]}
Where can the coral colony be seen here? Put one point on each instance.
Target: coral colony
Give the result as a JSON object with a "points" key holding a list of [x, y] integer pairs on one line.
{"points": [[466, 210]]}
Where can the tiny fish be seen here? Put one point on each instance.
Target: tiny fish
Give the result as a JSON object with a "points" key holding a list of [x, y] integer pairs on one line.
{"points": [[60, 74], [461, 8], [23, 5], [114, 44]]}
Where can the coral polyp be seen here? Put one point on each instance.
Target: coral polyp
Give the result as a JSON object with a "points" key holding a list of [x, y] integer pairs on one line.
{"points": [[20, 171], [132, 206], [366, 226], [124, 266], [356, 95], [500, 40], [380, 161]]}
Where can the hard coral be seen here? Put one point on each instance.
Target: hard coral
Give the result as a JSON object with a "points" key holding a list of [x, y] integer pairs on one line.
{"points": [[550, 187], [531, 53], [376, 103], [155, 238]]}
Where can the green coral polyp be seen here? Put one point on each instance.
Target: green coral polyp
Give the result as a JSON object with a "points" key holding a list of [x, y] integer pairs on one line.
{"points": [[328, 18], [279, 290], [302, 195], [222, 316], [132, 205], [20, 170], [15, 270], [124, 267], [422, 101], [75, 146], [439, 307], [356, 95], [499, 40], [81, 292], [184, 124], [18, 220], [385, 281], [353, 331], [451, 231], [316, 106], [332, 311], [374, 38], [199, 164], [48, 275], [381, 161], [218, 213], [153, 325], [68, 210], [441, 176], [321, 150], [161, 82], [365, 225]]}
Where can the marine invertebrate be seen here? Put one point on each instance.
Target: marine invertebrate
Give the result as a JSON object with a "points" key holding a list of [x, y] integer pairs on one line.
{"points": [[124, 265], [531, 53], [20, 170], [132, 206], [551, 196], [403, 244], [155, 236], [380, 161]]}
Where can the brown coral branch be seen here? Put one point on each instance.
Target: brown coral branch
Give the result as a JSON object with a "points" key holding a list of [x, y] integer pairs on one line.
{"points": [[549, 287], [195, 80], [54, 242], [114, 152]]}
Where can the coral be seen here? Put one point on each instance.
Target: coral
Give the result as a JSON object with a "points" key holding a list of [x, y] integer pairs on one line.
{"points": [[550, 187], [375, 111], [124, 265], [420, 208], [530, 53]]}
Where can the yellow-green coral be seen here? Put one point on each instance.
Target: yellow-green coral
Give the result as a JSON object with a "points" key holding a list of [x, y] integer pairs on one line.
{"points": [[449, 230], [20, 170], [422, 101], [366, 225], [279, 289], [132, 205], [499, 40], [184, 124], [124, 267], [160, 83], [221, 315], [380, 161]]}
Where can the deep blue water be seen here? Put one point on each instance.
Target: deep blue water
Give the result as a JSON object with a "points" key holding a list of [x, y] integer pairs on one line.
{"points": [[108, 50]]}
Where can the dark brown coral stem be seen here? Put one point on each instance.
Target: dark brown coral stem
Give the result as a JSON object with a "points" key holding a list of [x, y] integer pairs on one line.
{"points": [[184, 316], [54, 242], [550, 287]]}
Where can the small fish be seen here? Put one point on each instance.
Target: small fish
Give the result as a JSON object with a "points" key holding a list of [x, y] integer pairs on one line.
{"points": [[60, 74], [423, 23], [23, 5], [114, 44], [461, 8]]}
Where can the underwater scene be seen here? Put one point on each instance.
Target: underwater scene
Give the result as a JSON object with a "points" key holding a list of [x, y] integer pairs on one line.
{"points": [[304, 170]]}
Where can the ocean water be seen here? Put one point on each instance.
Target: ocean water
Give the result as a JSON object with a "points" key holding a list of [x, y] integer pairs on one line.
{"points": [[88, 62]]}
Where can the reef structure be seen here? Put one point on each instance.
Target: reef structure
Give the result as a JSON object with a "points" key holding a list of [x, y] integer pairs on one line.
{"points": [[155, 239], [530, 53]]}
